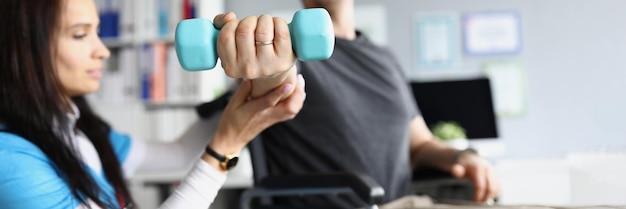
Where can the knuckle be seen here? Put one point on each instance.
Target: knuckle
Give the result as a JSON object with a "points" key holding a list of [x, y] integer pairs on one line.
{"points": [[290, 117], [267, 102], [292, 110], [263, 31], [244, 30], [480, 186], [224, 38], [250, 70], [279, 20], [228, 70], [264, 16], [283, 35]]}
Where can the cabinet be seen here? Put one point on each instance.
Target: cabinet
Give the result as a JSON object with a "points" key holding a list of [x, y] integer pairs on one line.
{"points": [[144, 92]]}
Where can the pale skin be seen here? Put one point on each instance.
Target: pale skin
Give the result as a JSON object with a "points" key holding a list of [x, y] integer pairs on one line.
{"points": [[267, 66], [80, 53], [425, 149]]}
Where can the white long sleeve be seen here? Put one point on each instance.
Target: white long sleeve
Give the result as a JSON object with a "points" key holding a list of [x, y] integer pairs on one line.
{"points": [[200, 186], [197, 190], [180, 154]]}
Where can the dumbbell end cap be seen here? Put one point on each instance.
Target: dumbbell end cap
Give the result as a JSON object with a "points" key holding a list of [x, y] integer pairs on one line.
{"points": [[195, 44], [312, 34]]}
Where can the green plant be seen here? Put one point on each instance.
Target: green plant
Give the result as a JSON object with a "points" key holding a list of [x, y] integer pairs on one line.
{"points": [[447, 130]]}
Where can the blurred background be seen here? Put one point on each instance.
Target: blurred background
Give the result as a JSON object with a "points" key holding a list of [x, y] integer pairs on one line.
{"points": [[554, 113]]}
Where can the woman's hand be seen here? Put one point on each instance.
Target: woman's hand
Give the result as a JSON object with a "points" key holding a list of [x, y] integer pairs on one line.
{"points": [[245, 118], [254, 47]]}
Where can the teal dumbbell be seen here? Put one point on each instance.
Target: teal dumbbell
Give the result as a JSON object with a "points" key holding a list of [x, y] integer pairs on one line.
{"points": [[312, 38]]}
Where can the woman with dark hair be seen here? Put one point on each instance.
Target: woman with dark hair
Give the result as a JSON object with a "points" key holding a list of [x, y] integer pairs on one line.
{"points": [[55, 152]]}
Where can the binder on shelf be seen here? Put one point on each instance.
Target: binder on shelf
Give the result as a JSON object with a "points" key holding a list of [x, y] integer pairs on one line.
{"points": [[146, 68], [189, 9], [127, 21], [174, 17], [174, 91], [130, 73], [158, 74], [108, 11], [163, 18], [111, 88]]}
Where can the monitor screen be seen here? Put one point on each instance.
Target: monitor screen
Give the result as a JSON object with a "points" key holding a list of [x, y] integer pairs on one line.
{"points": [[467, 102]]}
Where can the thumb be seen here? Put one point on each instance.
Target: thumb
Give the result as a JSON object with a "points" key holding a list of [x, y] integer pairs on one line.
{"points": [[457, 171], [221, 19]]}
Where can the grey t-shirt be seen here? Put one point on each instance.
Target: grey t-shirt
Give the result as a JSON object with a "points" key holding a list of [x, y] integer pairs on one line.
{"points": [[355, 118]]}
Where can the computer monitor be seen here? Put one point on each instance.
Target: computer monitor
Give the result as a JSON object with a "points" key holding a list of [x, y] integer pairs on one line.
{"points": [[467, 102]]}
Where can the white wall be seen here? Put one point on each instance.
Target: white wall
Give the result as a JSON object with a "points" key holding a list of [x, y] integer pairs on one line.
{"points": [[572, 54]]}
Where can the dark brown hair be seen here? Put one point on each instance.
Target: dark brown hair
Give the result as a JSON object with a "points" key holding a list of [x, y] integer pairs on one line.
{"points": [[32, 99]]}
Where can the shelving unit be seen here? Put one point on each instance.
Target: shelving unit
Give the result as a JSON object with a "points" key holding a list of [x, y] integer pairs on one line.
{"points": [[144, 92], [115, 43]]}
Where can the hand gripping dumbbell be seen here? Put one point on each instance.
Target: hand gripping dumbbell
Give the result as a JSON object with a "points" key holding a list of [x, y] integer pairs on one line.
{"points": [[312, 38]]}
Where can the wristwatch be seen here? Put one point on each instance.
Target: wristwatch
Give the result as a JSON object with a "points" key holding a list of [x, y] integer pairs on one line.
{"points": [[457, 154], [227, 162]]}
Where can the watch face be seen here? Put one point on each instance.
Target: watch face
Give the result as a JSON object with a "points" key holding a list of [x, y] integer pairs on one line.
{"points": [[232, 162]]}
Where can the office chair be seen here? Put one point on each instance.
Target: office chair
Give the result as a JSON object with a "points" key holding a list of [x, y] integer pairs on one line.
{"points": [[359, 186], [438, 185]]}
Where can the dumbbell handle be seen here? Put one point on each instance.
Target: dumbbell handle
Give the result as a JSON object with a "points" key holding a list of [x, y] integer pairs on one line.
{"points": [[312, 38]]}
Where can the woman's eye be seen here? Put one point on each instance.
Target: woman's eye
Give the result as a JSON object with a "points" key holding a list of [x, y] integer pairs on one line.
{"points": [[79, 36]]}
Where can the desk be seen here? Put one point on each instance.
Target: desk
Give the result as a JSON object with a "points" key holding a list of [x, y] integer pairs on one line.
{"points": [[418, 202]]}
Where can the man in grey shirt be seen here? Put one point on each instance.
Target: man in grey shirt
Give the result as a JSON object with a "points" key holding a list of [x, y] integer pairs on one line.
{"points": [[360, 116]]}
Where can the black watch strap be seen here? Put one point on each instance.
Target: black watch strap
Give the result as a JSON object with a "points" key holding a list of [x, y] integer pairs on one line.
{"points": [[217, 156]]}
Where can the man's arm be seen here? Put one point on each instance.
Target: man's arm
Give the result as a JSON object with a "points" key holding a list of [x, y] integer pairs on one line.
{"points": [[427, 150]]}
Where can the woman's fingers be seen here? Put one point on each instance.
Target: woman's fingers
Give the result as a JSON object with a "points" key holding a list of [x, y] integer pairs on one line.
{"points": [[270, 100], [271, 104], [291, 106], [241, 95]]}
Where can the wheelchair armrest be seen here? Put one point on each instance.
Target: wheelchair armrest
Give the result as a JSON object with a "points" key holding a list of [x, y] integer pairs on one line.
{"points": [[429, 173], [362, 185]]}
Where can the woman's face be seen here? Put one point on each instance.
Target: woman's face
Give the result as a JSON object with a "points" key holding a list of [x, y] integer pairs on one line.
{"points": [[79, 52]]}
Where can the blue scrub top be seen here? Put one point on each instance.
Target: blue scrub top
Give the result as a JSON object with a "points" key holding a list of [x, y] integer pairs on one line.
{"points": [[29, 179]]}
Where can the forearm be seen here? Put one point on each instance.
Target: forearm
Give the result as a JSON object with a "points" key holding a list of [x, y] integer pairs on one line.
{"points": [[261, 86], [197, 190], [180, 154], [432, 153]]}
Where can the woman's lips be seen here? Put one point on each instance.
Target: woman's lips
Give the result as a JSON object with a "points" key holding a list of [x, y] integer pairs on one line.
{"points": [[95, 74]]}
